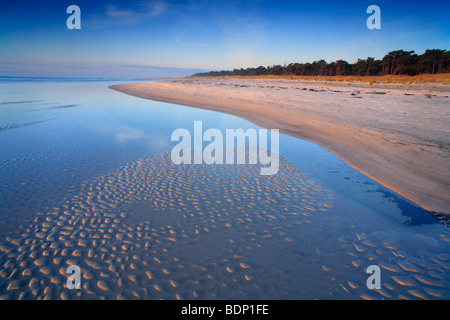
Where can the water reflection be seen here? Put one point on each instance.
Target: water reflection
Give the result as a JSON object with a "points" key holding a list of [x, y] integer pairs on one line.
{"points": [[93, 184]]}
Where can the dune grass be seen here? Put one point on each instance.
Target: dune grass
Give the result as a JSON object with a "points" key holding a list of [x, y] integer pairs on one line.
{"points": [[443, 78]]}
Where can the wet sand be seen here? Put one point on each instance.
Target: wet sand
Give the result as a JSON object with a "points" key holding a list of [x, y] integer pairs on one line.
{"points": [[154, 230], [396, 134]]}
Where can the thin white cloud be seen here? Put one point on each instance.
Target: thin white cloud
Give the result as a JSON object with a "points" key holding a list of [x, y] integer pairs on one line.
{"points": [[114, 16]]}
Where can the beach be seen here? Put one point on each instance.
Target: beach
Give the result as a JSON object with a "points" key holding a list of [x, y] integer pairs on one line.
{"points": [[88, 181], [396, 134]]}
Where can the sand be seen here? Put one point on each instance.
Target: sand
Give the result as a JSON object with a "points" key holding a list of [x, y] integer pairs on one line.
{"points": [[398, 135], [154, 230], [145, 228]]}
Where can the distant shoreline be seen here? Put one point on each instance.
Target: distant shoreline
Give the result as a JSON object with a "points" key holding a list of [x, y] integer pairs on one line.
{"points": [[396, 136]]}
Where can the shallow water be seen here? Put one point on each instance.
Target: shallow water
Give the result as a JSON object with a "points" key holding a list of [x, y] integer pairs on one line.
{"points": [[86, 179]]}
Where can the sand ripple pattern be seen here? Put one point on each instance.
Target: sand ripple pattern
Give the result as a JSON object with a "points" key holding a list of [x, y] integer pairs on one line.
{"points": [[154, 230]]}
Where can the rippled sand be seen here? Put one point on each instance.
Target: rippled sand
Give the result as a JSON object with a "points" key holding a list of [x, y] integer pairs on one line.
{"points": [[155, 230]]}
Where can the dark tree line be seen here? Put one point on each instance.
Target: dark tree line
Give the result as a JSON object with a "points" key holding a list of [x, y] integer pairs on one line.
{"points": [[397, 62]]}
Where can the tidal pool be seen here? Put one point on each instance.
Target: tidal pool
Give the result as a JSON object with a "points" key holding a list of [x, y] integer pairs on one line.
{"points": [[87, 180]]}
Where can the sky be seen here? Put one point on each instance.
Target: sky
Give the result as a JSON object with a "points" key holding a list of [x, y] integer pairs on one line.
{"points": [[163, 38]]}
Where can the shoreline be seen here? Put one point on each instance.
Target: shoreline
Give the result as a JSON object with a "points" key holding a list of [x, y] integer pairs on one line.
{"points": [[397, 136]]}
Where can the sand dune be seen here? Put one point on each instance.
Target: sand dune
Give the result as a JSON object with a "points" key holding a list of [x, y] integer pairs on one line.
{"points": [[396, 134]]}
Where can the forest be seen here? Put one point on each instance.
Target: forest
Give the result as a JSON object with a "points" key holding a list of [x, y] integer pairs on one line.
{"points": [[398, 62]]}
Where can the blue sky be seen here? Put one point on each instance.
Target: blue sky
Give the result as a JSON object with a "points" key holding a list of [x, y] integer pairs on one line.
{"points": [[151, 38]]}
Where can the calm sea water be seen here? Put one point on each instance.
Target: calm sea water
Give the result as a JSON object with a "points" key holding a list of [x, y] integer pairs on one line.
{"points": [[323, 223]]}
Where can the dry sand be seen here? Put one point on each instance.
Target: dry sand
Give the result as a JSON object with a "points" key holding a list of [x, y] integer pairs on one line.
{"points": [[396, 134]]}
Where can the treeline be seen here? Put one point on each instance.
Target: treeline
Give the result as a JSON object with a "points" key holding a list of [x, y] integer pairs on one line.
{"points": [[397, 62]]}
